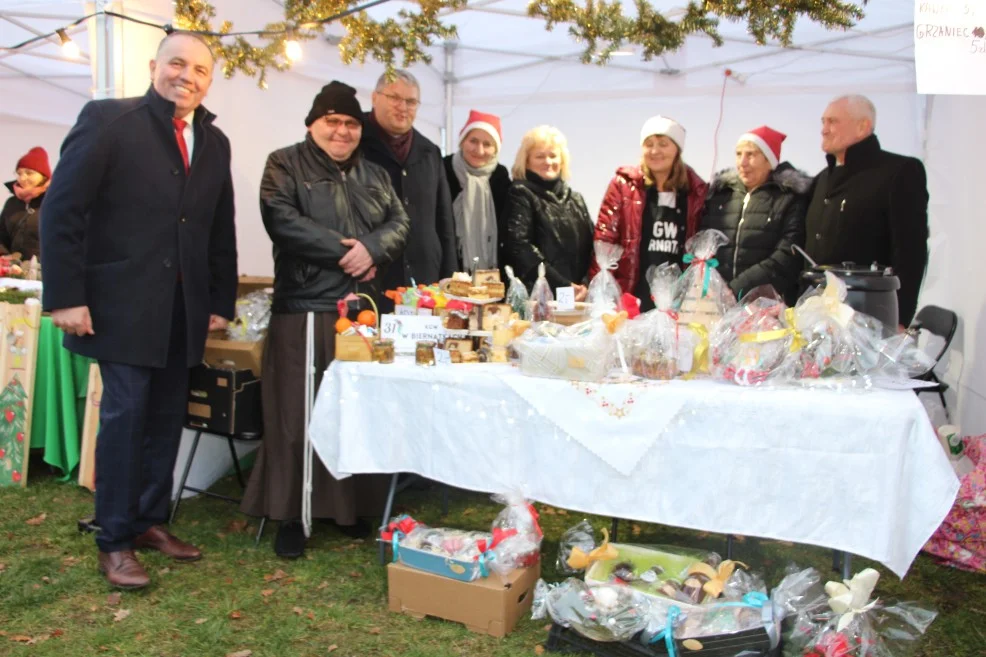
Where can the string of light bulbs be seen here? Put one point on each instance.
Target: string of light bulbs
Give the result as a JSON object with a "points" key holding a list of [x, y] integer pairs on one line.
{"points": [[292, 47]]}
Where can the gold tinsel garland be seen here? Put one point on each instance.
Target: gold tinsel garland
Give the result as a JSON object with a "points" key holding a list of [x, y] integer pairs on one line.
{"points": [[600, 25]]}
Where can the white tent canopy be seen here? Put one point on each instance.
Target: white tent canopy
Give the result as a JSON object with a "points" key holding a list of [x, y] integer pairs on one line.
{"points": [[506, 63]]}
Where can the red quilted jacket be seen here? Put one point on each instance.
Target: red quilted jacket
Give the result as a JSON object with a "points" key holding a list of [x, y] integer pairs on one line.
{"points": [[621, 216]]}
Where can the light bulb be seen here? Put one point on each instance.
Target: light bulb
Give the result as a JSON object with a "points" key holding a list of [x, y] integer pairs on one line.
{"points": [[292, 50], [69, 48]]}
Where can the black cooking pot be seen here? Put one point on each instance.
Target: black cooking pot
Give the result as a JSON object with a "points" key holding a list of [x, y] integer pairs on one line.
{"points": [[871, 290]]}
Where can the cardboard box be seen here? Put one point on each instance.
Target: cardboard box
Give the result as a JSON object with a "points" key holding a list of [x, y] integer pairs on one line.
{"points": [[90, 429], [220, 352], [19, 323], [488, 606], [224, 401]]}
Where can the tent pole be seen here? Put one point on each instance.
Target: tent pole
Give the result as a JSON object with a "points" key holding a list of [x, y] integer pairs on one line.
{"points": [[448, 82], [104, 56]]}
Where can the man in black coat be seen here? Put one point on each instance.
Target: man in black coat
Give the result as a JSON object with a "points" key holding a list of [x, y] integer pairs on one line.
{"points": [[418, 175], [868, 205], [139, 247]]}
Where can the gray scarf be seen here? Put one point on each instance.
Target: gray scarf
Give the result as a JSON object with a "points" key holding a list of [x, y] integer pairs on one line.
{"points": [[475, 214]]}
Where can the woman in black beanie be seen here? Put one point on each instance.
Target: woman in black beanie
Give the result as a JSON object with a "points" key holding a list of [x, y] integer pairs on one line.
{"points": [[335, 223]]}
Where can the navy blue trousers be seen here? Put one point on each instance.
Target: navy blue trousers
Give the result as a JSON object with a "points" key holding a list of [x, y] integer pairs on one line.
{"points": [[141, 416]]}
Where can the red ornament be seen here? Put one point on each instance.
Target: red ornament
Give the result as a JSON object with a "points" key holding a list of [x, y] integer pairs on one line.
{"points": [[9, 415], [3, 453], [20, 436], [16, 476]]}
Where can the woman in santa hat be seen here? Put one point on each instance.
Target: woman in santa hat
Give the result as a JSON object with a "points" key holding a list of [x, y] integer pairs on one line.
{"points": [[760, 206], [479, 185], [21, 214], [651, 209]]}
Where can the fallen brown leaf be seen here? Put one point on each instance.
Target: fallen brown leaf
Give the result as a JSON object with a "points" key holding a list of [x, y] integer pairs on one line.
{"points": [[355, 574], [237, 526], [374, 630], [278, 575], [46, 579], [164, 571], [548, 511], [199, 621], [562, 512], [37, 520], [3, 567], [240, 653], [267, 593], [331, 648], [310, 615], [635, 530], [3, 632], [22, 638], [323, 585], [469, 512], [93, 608], [113, 599], [57, 633], [298, 610], [539, 649], [36, 586], [120, 615], [235, 615], [547, 628]]}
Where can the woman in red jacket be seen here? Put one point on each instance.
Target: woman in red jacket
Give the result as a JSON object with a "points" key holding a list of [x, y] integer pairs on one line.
{"points": [[651, 209]]}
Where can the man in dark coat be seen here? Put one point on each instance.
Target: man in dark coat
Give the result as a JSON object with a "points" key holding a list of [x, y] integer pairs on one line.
{"points": [[418, 175], [868, 205], [139, 247]]}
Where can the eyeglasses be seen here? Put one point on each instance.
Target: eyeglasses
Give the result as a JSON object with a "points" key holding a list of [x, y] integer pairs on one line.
{"points": [[335, 123], [410, 103]]}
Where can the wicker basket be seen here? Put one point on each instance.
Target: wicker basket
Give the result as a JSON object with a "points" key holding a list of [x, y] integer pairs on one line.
{"points": [[357, 347]]}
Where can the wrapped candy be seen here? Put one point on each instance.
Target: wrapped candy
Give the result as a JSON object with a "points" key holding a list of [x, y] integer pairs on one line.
{"points": [[517, 295], [652, 338], [604, 293], [539, 305], [252, 317], [751, 343], [601, 613], [846, 622]]}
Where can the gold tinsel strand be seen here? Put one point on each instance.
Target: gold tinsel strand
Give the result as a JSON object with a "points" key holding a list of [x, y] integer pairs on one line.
{"points": [[600, 24]]}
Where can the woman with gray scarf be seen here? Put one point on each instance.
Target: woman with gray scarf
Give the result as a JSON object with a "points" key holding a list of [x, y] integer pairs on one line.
{"points": [[479, 187]]}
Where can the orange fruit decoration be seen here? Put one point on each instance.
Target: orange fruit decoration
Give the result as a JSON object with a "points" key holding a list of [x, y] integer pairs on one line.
{"points": [[342, 324], [367, 318]]}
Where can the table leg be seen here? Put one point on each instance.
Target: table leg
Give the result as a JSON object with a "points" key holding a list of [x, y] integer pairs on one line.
{"points": [[614, 529], [729, 546], [386, 515], [846, 565]]}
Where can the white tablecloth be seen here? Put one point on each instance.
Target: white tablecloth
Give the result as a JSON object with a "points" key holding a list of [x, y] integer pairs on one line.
{"points": [[861, 472]]}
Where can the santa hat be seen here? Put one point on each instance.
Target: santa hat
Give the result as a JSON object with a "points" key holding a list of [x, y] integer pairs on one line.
{"points": [[768, 141], [661, 125], [36, 159], [488, 123]]}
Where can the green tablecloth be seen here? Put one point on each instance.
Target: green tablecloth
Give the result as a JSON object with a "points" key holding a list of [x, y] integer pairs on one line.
{"points": [[60, 382]]}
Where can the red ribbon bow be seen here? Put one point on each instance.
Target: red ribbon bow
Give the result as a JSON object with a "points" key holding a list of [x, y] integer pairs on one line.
{"points": [[404, 525]]}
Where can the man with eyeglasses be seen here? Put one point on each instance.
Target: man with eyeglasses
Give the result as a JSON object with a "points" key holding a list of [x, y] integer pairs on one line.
{"points": [[418, 175], [335, 221]]}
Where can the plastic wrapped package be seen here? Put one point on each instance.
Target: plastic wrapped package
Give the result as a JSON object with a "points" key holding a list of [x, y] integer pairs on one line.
{"points": [[252, 317], [848, 622], [516, 534], [581, 537], [539, 304], [601, 613], [751, 344], [701, 293], [652, 338], [581, 352], [517, 295], [604, 293]]}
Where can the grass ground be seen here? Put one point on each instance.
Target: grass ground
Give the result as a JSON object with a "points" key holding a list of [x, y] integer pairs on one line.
{"points": [[240, 600]]}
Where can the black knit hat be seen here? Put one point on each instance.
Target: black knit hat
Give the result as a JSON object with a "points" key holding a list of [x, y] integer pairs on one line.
{"points": [[335, 98]]}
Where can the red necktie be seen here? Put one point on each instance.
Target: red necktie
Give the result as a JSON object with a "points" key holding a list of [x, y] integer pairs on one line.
{"points": [[180, 136]]}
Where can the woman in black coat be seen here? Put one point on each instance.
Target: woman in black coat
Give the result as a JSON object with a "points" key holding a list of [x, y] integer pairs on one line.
{"points": [[760, 206], [547, 221], [478, 185], [20, 218]]}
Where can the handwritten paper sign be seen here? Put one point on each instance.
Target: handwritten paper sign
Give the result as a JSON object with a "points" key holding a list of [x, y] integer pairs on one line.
{"points": [[566, 298], [950, 46], [406, 330]]}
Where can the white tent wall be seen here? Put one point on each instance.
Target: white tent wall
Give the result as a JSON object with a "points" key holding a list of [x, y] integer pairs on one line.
{"points": [[956, 142], [18, 135]]}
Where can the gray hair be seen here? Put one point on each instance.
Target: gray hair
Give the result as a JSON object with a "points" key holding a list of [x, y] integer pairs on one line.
{"points": [[399, 74], [194, 35], [860, 107]]}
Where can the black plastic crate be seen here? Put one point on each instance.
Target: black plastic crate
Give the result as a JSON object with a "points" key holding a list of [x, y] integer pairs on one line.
{"points": [[751, 643]]}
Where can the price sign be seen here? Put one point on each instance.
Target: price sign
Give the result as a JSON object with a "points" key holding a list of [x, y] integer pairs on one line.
{"points": [[407, 330], [566, 298], [950, 46]]}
